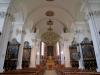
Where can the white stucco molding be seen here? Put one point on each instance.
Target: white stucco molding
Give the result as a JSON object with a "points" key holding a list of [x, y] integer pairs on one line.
{"points": [[80, 22], [93, 5], [94, 1]]}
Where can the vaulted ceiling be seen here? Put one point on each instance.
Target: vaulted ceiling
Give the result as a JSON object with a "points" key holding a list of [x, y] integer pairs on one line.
{"points": [[65, 12]]}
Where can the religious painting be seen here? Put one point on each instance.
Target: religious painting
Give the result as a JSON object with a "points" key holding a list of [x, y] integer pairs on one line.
{"points": [[50, 50]]}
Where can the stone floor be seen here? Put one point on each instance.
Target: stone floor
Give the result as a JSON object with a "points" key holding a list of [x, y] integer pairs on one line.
{"points": [[50, 72]]}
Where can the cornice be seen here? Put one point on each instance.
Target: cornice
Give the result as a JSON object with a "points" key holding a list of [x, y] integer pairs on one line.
{"points": [[94, 1]]}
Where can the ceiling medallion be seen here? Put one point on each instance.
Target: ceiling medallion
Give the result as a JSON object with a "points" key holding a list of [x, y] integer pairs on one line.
{"points": [[49, 13], [50, 22]]}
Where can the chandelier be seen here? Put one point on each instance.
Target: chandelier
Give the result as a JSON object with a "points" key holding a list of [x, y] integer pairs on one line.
{"points": [[50, 37]]}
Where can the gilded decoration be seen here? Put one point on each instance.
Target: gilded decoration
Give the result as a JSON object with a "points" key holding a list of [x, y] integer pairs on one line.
{"points": [[50, 37]]}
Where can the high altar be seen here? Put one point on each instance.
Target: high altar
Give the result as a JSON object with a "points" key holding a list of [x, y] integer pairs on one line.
{"points": [[49, 55], [50, 63]]}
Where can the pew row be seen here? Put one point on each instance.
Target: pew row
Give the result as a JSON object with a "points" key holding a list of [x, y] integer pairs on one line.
{"points": [[74, 71], [28, 71]]}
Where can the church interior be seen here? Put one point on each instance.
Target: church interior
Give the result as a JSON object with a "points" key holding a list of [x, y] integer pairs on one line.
{"points": [[49, 37]]}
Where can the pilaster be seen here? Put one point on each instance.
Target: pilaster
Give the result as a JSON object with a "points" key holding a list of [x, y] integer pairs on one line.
{"points": [[92, 12]]}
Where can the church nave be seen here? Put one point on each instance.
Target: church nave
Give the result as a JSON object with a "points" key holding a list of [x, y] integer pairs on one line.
{"points": [[49, 37]]}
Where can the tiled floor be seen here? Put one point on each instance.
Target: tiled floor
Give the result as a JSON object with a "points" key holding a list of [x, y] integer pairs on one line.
{"points": [[50, 72]]}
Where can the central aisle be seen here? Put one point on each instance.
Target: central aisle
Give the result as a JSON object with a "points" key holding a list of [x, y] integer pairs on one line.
{"points": [[50, 72]]}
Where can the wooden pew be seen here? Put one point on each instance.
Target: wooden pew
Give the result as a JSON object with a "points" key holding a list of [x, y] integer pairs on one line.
{"points": [[74, 71], [81, 73], [28, 71], [32, 71]]}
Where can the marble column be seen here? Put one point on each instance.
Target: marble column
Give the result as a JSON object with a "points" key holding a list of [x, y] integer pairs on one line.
{"points": [[5, 39], [38, 58], [79, 39], [96, 40], [92, 12], [67, 55], [33, 55], [57, 49], [81, 61], [38, 53], [62, 52], [20, 53], [79, 49], [62, 57]]}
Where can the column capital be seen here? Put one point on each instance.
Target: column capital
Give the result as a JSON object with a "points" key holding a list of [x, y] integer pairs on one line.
{"points": [[96, 13], [10, 16], [93, 13], [91, 8], [94, 1]]}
